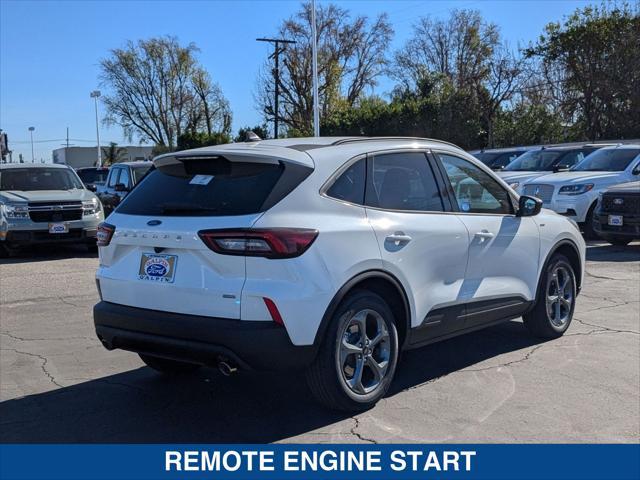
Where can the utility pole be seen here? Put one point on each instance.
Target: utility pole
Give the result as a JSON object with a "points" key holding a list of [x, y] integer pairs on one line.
{"points": [[276, 74], [314, 54]]}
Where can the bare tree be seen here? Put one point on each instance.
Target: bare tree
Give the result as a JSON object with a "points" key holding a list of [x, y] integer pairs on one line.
{"points": [[460, 48], [502, 80], [351, 56], [157, 91]]}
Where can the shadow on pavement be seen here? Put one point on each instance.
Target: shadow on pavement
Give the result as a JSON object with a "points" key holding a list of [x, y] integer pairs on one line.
{"points": [[142, 406], [45, 253], [605, 252]]}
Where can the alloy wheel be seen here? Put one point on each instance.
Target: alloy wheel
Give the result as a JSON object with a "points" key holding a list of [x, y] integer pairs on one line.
{"points": [[560, 296], [363, 352]]}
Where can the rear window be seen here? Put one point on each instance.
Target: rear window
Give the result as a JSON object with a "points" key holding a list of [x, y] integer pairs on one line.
{"points": [[212, 187], [93, 175]]}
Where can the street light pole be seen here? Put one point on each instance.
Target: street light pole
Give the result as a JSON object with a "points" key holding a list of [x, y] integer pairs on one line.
{"points": [[276, 75], [33, 157], [95, 94]]}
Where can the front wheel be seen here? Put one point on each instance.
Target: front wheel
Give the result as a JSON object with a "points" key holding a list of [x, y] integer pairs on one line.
{"points": [[358, 356], [169, 367], [556, 300]]}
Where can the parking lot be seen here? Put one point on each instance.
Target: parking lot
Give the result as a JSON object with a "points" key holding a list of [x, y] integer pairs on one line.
{"points": [[58, 384]]}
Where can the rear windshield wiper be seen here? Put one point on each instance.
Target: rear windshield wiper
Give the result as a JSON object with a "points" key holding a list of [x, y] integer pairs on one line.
{"points": [[169, 208]]}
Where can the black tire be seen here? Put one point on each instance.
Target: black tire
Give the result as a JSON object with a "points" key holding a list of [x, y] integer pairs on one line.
{"points": [[538, 320], [4, 251], [587, 228], [618, 241], [169, 367], [327, 378], [92, 247]]}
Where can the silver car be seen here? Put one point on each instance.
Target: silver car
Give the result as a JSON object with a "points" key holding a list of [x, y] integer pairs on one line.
{"points": [[45, 204]]}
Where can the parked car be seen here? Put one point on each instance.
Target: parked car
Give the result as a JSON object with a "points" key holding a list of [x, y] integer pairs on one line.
{"points": [[498, 158], [45, 204], [575, 193], [537, 163], [121, 180], [93, 177], [330, 255], [617, 216]]}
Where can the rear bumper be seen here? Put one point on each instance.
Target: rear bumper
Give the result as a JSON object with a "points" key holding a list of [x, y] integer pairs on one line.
{"points": [[197, 339]]}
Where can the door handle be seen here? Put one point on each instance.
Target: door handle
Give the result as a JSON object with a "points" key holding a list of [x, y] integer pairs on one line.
{"points": [[484, 235], [398, 238]]}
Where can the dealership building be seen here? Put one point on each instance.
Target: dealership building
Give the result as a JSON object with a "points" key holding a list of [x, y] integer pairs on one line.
{"points": [[78, 157]]}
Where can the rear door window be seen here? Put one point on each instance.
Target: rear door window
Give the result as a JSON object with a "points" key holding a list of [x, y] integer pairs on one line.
{"points": [[212, 187], [402, 181]]}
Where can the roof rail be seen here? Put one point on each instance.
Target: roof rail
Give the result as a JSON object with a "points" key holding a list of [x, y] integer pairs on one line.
{"points": [[343, 141]]}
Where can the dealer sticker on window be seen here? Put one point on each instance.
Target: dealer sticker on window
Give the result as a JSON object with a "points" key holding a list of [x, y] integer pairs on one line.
{"points": [[158, 268], [201, 179]]}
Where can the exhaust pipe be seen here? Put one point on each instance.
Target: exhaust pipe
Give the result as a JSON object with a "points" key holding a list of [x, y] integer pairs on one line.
{"points": [[226, 369]]}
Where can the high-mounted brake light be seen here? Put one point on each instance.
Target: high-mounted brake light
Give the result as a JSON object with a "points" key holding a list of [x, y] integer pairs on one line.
{"points": [[104, 234], [268, 242]]}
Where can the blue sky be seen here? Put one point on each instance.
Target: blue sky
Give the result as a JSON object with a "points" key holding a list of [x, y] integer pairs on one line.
{"points": [[50, 51]]}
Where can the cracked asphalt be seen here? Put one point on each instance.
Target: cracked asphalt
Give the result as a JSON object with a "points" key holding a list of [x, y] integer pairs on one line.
{"points": [[58, 384]]}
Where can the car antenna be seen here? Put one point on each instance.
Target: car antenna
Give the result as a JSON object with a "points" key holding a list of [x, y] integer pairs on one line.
{"points": [[252, 137]]}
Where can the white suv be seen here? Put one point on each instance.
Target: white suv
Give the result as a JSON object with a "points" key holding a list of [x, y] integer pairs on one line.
{"points": [[575, 193], [326, 254]]}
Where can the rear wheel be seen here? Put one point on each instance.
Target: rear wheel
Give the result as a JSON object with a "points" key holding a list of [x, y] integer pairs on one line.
{"points": [[555, 302], [170, 367], [359, 354]]}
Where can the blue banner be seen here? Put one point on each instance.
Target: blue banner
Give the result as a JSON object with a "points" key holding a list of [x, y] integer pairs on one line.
{"points": [[69, 462]]}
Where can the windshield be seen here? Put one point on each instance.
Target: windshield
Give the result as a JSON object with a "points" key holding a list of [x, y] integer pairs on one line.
{"points": [[608, 160], [139, 172], [547, 160], [501, 159], [29, 179], [94, 176]]}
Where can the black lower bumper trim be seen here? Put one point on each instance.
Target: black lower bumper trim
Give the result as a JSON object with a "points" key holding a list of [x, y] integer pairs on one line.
{"points": [[23, 238], [197, 339]]}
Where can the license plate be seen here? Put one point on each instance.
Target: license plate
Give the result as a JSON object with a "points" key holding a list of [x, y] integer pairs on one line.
{"points": [[157, 268], [615, 220], [58, 228]]}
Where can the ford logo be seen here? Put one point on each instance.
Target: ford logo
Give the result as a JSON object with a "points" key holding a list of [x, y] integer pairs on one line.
{"points": [[618, 201], [153, 223], [156, 267]]}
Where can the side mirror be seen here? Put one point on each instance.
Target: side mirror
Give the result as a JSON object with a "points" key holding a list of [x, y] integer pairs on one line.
{"points": [[529, 206], [636, 170], [91, 187], [120, 187]]}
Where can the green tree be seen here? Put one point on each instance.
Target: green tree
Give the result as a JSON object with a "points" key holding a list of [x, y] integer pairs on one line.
{"points": [[592, 62], [113, 154]]}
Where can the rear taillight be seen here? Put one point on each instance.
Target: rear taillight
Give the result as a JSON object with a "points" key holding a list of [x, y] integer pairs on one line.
{"points": [[104, 234], [268, 242]]}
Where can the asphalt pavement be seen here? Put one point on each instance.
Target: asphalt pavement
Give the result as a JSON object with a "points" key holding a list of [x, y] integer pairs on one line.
{"points": [[58, 384]]}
